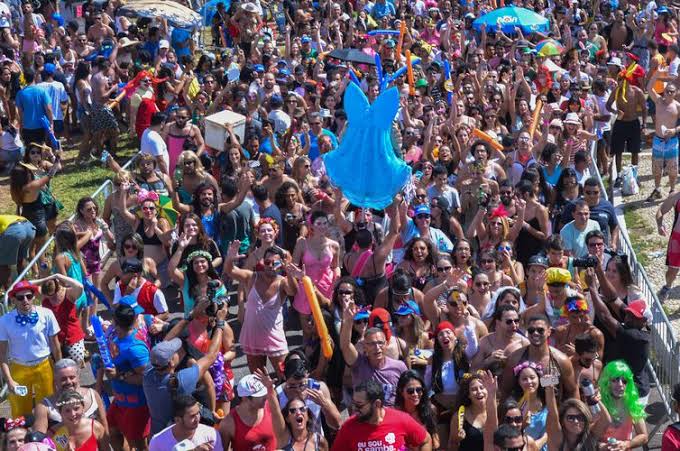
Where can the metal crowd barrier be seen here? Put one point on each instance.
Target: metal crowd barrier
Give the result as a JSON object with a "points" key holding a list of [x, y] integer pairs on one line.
{"points": [[664, 356], [99, 196]]}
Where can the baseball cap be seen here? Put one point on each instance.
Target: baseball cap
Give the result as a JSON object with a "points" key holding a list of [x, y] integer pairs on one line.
{"points": [[390, 44], [299, 69], [615, 61], [364, 313], [258, 68], [163, 44], [422, 210], [284, 72], [638, 308], [538, 260], [163, 352], [131, 302], [421, 83], [23, 286], [408, 308], [251, 386], [305, 39], [131, 265]]}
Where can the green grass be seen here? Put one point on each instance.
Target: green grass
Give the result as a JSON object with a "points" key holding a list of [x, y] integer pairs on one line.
{"points": [[76, 180], [643, 235]]}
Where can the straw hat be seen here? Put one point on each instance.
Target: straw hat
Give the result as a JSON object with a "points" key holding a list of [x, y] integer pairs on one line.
{"points": [[127, 42]]}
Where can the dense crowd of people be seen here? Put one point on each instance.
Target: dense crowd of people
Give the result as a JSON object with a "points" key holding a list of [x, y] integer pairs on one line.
{"points": [[489, 306]]}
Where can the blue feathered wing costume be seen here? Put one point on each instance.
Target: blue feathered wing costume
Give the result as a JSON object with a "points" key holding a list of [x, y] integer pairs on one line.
{"points": [[364, 166]]}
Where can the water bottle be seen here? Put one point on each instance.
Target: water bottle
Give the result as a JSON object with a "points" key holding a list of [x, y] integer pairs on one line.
{"points": [[178, 175], [589, 391]]}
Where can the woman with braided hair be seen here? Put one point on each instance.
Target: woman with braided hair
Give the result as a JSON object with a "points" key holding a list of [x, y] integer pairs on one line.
{"points": [[622, 401]]}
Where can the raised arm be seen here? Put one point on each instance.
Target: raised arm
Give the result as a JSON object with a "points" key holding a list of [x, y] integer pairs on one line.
{"points": [[242, 275], [349, 352]]}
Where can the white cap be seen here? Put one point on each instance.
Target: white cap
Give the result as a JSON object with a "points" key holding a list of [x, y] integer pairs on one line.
{"points": [[250, 385], [615, 61], [163, 44]]}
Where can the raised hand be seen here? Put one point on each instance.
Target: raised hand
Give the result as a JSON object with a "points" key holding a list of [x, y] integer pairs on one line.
{"points": [[232, 252]]}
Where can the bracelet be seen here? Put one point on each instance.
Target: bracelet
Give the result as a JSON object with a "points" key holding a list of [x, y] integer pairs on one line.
{"points": [[220, 324]]}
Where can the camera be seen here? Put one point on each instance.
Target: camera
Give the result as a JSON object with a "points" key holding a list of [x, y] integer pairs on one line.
{"points": [[585, 262], [216, 303], [314, 385]]}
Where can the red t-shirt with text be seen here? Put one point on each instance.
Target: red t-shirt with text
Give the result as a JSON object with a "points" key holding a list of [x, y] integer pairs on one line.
{"points": [[397, 431]]}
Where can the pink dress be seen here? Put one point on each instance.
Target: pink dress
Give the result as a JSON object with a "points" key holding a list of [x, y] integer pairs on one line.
{"points": [[262, 332], [322, 276]]}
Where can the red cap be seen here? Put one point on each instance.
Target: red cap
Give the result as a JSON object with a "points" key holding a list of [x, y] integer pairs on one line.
{"points": [[638, 309], [442, 326], [23, 286]]}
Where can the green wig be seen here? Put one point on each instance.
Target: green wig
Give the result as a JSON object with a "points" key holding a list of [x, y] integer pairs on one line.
{"points": [[631, 398]]}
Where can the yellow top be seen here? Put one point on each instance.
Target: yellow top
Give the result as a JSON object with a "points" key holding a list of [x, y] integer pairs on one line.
{"points": [[8, 220]]}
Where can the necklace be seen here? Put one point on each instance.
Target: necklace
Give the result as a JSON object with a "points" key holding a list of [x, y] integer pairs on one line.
{"points": [[24, 320]]}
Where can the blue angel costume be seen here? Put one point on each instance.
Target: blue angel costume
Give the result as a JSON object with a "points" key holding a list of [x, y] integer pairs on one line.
{"points": [[365, 166]]}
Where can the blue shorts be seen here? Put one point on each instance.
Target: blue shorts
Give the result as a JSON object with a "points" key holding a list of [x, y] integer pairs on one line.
{"points": [[665, 149], [15, 242]]}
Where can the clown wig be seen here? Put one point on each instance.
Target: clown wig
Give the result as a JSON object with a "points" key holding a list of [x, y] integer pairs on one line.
{"points": [[631, 398]]}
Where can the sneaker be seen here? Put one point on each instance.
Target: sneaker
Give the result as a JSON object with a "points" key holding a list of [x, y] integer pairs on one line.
{"points": [[663, 293], [654, 195]]}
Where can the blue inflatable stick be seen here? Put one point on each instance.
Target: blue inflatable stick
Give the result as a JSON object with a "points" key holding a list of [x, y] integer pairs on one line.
{"points": [[102, 342], [378, 69], [402, 70], [91, 290], [379, 32], [365, 166], [50, 134], [95, 364]]}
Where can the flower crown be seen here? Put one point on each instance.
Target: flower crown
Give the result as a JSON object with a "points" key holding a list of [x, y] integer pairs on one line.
{"points": [[13, 423], [478, 373], [528, 364], [270, 221], [200, 253]]}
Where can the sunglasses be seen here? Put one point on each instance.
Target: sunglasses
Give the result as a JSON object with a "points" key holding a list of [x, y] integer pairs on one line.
{"points": [[536, 330], [576, 418], [444, 269], [297, 410], [148, 208], [516, 420], [27, 296], [421, 196], [423, 216], [189, 162], [512, 321], [413, 390]]}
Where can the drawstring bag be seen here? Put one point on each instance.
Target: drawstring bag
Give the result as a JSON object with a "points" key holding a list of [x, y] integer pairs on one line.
{"points": [[629, 183]]}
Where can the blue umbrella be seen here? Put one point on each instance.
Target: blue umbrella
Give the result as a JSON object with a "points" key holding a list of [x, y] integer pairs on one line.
{"points": [[208, 10], [509, 17]]}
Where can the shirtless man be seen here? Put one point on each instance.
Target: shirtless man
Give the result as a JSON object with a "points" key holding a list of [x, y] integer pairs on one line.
{"points": [[538, 350], [585, 361], [32, 21], [665, 143], [82, 46], [495, 348], [103, 121], [627, 129], [618, 33], [275, 178], [99, 31], [579, 323]]}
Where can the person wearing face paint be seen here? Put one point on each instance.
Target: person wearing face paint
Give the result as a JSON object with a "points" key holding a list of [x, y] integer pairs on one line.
{"points": [[627, 410], [579, 322], [553, 361], [632, 336], [373, 422], [266, 292], [495, 348]]}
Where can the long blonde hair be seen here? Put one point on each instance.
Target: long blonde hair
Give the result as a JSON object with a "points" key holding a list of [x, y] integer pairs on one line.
{"points": [[189, 155]]}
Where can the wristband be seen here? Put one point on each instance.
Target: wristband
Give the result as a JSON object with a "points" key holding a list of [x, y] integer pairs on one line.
{"points": [[220, 324]]}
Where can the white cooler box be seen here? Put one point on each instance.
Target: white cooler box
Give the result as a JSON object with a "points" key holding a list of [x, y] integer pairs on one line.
{"points": [[215, 131]]}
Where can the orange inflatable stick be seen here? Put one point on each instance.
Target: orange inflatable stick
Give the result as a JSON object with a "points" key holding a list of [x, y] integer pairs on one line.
{"points": [[409, 74], [535, 117], [487, 139], [326, 347], [400, 42]]}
